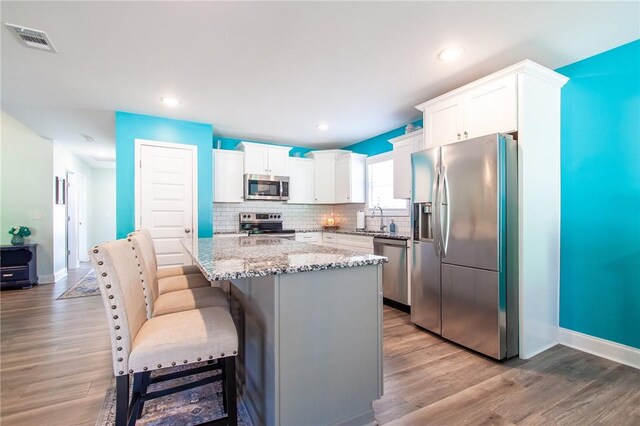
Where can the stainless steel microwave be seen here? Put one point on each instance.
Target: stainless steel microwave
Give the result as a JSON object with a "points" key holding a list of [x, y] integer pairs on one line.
{"points": [[265, 187]]}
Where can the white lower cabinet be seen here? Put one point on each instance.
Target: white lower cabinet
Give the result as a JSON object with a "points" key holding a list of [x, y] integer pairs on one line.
{"points": [[228, 176], [309, 237], [330, 240]]}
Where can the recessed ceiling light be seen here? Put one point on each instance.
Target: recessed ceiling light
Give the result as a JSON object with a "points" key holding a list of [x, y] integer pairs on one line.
{"points": [[169, 101], [322, 126], [450, 53]]}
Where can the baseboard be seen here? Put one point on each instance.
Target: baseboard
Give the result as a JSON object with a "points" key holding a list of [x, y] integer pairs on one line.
{"points": [[62, 273], [46, 279], [600, 347]]}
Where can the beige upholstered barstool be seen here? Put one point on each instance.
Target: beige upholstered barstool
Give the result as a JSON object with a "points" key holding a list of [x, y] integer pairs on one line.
{"points": [[140, 345], [175, 301], [175, 278]]}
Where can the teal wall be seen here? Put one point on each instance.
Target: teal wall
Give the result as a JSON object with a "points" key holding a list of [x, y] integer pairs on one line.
{"points": [[379, 144], [230, 143], [600, 240], [131, 126]]}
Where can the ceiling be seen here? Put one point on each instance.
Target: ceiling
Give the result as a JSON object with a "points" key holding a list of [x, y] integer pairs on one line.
{"points": [[272, 71]]}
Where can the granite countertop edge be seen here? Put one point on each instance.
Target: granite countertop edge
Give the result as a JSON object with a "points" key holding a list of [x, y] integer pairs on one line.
{"points": [[354, 232], [292, 270]]}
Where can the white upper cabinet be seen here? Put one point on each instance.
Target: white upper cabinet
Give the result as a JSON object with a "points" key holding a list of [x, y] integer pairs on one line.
{"points": [[325, 175], [491, 108], [445, 121], [403, 147], [261, 159], [228, 176], [301, 180], [475, 110], [350, 178]]}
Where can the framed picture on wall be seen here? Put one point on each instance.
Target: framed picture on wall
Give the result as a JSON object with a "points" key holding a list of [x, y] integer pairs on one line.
{"points": [[61, 193]]}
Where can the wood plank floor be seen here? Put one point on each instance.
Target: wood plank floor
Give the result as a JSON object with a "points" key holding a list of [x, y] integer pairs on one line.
{"points": [[55, 367]]}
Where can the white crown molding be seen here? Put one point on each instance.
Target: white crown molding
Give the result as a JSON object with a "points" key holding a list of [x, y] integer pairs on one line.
{"points": [[603, 348], [406, 136], [523, 67]]}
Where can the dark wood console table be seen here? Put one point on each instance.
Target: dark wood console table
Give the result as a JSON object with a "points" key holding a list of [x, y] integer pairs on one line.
{"points": [[18, 266]]}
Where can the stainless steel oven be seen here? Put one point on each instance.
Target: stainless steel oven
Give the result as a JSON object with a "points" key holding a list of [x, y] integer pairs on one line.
{"points": [[265, 187]]}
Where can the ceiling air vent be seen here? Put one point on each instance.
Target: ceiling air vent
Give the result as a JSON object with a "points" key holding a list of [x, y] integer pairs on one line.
{"points": [[34, 39]]}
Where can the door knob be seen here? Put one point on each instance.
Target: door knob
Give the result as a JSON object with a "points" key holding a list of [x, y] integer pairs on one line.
{"points": [[187, 230]]}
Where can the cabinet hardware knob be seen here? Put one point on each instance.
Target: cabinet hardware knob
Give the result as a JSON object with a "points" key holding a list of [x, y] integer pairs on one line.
{"points": [[187, 230], [459, 135], [466, 134]]}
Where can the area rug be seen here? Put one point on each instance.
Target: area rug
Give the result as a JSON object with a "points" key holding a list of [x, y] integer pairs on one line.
{"points": [[189, 407], [86, 286]]}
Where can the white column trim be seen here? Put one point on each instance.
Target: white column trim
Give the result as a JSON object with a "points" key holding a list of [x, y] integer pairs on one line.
{"points": [[603, 348]]}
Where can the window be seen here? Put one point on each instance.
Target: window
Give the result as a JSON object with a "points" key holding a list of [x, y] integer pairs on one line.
{"points": [[380, 186]]}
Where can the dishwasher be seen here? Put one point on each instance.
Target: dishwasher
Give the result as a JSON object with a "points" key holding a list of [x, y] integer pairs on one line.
{"points": [[394, 273]]}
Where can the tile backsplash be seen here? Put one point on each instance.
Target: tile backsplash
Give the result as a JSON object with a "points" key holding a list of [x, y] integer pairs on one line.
{"points": [[302, 216]]}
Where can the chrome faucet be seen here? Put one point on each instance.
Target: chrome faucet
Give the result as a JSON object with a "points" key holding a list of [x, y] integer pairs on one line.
{"points": [[373, 214]]}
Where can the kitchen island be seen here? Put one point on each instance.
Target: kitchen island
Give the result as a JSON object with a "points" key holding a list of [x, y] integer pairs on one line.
{"points": [[309, 321]]}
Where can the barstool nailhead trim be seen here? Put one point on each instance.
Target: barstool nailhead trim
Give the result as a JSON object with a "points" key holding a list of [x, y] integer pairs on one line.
{"points": [[222, 354], [101, 263], [144, 368], [115, 317], [117, 327], [119, 359], [119, 348], [173, 363], [159, 365], [210, 356], [118, 337], [121, 372], [131, 371], [185, 361], [199, 359], [235, 352], [104, 274]]}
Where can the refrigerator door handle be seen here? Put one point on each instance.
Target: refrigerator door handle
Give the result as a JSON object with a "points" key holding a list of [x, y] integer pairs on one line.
{"points": [[444, 235], [436, 214]]}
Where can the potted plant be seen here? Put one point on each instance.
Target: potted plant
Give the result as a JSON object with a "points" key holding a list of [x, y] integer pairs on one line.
{"points": [[18, 233]]}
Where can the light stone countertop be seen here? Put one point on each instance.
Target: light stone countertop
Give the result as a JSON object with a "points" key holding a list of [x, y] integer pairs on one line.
{"points": [[242, 257], [355, 232]]}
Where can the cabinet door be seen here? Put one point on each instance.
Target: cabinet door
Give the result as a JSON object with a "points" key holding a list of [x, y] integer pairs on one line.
{"points": [[228, 176], [443, 122], [419, 143], [343, 179], [402, 168], [277, 162], [300, 180], [491, 108], [325, 179], [255, 160]]}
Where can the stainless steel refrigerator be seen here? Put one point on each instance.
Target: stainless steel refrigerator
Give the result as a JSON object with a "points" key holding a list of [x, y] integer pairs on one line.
{"points": [[464, 283]]}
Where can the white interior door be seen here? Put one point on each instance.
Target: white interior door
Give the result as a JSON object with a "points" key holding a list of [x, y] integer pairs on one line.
{"points": [[81, 193], [72, 221], [167, 202]]}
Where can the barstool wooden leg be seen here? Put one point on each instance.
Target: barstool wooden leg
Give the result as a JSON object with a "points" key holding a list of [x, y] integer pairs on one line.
{"points": [[122, 400], [229, 368]]}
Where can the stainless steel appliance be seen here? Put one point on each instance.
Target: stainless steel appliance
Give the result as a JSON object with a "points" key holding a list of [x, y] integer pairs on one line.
{"points": [[465, 230], [265, 224], [394, 273], [265, 187]]}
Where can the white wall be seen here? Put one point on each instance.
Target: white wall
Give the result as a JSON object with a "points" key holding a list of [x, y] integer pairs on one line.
{"points": [[64, 161], [102, 211], [27, 189]]}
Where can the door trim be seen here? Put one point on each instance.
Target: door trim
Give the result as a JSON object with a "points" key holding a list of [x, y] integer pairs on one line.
{"points": [[139, 143]]}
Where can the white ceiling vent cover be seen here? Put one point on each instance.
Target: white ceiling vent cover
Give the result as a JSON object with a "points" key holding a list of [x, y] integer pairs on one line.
{"points": [[34, 39]]}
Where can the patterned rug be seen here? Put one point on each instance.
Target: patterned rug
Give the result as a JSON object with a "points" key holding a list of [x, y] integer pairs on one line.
{"points": [[86, 286], [190, 407]]}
